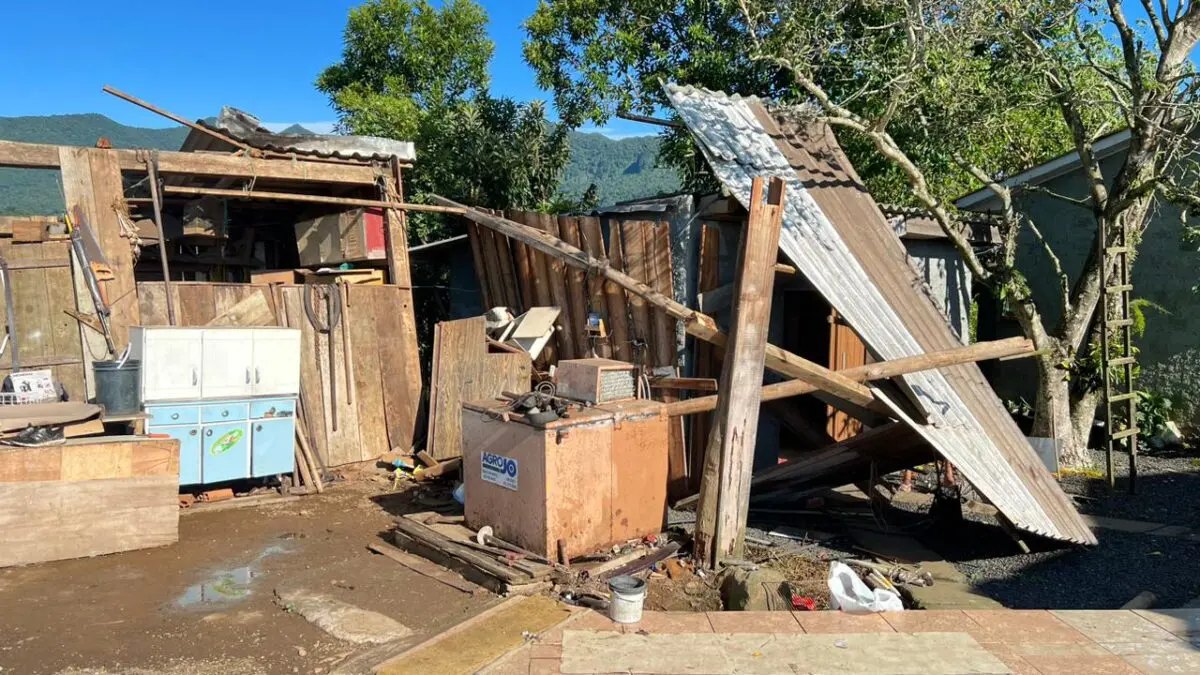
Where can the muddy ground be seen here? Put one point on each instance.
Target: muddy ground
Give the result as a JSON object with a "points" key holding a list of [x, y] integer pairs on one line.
{"points": [[205, 604]]}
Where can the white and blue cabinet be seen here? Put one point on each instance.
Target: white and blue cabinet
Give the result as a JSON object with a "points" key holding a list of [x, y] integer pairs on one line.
{"points": [[227, 394]]}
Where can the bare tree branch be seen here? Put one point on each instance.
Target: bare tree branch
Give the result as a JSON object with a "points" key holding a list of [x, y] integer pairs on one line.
{"points": [[1064, 281]]}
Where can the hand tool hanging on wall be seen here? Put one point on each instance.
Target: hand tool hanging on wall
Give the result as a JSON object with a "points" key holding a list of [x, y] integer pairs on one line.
{"points": [[94, 267], [333, 316]]}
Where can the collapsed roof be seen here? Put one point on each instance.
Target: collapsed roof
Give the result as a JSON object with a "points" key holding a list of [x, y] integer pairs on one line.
{"points": [[244, 127], [840, 240]]}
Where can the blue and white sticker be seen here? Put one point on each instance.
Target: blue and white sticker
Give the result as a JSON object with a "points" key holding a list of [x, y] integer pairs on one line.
{"points": [[500, 470]]}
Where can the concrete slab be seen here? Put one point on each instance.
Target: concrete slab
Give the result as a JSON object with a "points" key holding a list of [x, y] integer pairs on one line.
{"points": [[1109, 626], [1181, 622], [766, 654], [343, 620], [1121, 524]]}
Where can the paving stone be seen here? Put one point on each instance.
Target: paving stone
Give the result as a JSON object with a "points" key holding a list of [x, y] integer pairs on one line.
{"points": [[1028, 650], [594, 621], [670, 622], [1160, 664], [553, 636], [927, 621], [754, 622], [1151, 648], [841, 622], [1113, 626], [540, 651], [1012, 626], [544, 667], [1181, 622], [515, 662], [759, 654], [1078, 665], [1016, 664]]}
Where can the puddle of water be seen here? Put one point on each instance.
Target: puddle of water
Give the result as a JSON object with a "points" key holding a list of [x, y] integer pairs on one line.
{"points": [[228, 585]]}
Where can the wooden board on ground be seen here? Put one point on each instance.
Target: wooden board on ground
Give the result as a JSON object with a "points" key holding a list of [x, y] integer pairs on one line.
{"points": [[463, 370], [425, 568], [475, 566]]}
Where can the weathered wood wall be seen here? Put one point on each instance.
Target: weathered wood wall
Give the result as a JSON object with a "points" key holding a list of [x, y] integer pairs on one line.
{"points": [[42, 290]]}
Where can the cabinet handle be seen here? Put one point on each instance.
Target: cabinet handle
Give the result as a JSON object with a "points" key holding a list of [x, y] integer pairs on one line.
{"points": [[192, 432], [258, 427], [224, 413], [175, 416], [257, 375], [208, 432], [195, 377], [247, 376]]}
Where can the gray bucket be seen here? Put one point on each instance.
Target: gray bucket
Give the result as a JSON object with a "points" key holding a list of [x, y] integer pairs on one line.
{"points": [[628, 594], [117, 386]]}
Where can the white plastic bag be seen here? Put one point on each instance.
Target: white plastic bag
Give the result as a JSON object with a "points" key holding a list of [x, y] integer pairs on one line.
{"points": [[848, 593]]}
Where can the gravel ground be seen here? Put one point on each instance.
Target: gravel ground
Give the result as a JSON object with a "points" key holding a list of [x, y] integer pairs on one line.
{"points": [[1168, 488]]}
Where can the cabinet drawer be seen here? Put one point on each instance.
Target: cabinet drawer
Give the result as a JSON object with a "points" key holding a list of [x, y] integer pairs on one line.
{"points": [[273, 407], [225, 412], [175, 414]]}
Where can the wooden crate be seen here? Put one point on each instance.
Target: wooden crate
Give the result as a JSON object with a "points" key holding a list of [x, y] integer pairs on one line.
{"points": [[87, 497]]}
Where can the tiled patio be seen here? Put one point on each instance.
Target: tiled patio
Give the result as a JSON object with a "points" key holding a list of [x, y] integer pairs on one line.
{"points": [[946, 641]]}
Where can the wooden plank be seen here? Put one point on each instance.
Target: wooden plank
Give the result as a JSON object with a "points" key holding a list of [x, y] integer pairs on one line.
{"points": [[366, 366], [425, 568], [152, 303], [695, 323], [557, 276], [618, 311], [507, 274], [32, 155], [197, 303], [30, 300], [155, 457], [312, 393], [77, 188], [665, 341], [97, 461], [27, 231], [463, 370], [64, 329], [341, 414], [26, 465], [491, 268], [253, 310], [634, 256], [540, 268], [704, 356], [56, 520], [400, 368], [523, 257], [592, 239], [479, 265], [109, 194], [729, 459], [568, 229]]}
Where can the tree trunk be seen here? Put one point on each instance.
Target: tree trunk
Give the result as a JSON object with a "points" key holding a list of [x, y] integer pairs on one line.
{"points": [[1054, 416]]}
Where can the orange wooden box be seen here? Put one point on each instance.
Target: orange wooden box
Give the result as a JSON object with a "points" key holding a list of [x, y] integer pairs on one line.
{"points": [[593, 480]]}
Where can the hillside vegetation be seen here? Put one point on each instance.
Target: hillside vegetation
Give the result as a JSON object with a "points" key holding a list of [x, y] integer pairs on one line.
{"points": [[621, 169]]}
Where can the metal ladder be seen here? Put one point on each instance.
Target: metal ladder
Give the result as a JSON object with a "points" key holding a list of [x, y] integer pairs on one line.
{"points": [[1116, 325]]}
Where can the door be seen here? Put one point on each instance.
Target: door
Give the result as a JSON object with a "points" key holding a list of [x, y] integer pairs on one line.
{"points": [[171, 364], [276, 362], [272, 450], [189, 451], [846, 351], [226, 449], [228, 363]]}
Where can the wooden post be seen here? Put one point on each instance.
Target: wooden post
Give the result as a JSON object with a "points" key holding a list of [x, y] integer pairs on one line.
{"points": [[396, 227], [695, 323], [729, 460], [156, 197]]}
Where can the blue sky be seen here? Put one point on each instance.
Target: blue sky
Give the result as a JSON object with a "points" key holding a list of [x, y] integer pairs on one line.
{"points": [[192, 58]]}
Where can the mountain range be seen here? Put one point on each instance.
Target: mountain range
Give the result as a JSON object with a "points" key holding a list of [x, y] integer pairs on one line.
{"points": [[621, 169]]}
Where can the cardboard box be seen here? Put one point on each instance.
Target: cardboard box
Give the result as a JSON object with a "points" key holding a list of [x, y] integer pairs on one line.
{"points": [[355, 235]]}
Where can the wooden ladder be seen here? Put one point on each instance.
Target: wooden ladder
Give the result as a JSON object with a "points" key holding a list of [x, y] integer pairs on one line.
{"points": [[1116, 325]]}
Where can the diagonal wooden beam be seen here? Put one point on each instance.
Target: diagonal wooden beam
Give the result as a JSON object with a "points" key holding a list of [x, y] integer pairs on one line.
{"points": [[1014, 347], [696, 324]]}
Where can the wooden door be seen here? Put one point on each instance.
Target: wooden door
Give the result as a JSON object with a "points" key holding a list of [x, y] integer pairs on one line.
{"points": [[228, 363], [276, 362], [171, 364], [846, 350]]}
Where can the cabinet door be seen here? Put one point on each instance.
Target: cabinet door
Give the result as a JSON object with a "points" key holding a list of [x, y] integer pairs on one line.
{"points": [[228, 363], [276, 362], [226, 449], [171, 360], [271, 447], [189, 451]]}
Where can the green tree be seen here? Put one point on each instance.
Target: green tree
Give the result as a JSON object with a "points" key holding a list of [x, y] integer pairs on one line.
{"points": [[932, 98], [413, 71]]}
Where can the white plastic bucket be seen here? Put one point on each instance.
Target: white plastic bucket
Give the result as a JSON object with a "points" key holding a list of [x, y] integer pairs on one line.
{"points": [[628, 596]]}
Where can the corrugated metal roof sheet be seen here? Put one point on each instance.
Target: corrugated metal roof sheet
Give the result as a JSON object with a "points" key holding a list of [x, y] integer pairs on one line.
{"points": [[246, 128], [836, 235]]}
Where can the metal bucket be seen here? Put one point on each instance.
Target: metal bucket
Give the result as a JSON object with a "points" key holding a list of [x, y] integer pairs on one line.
{"points": [[118, 386]]}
